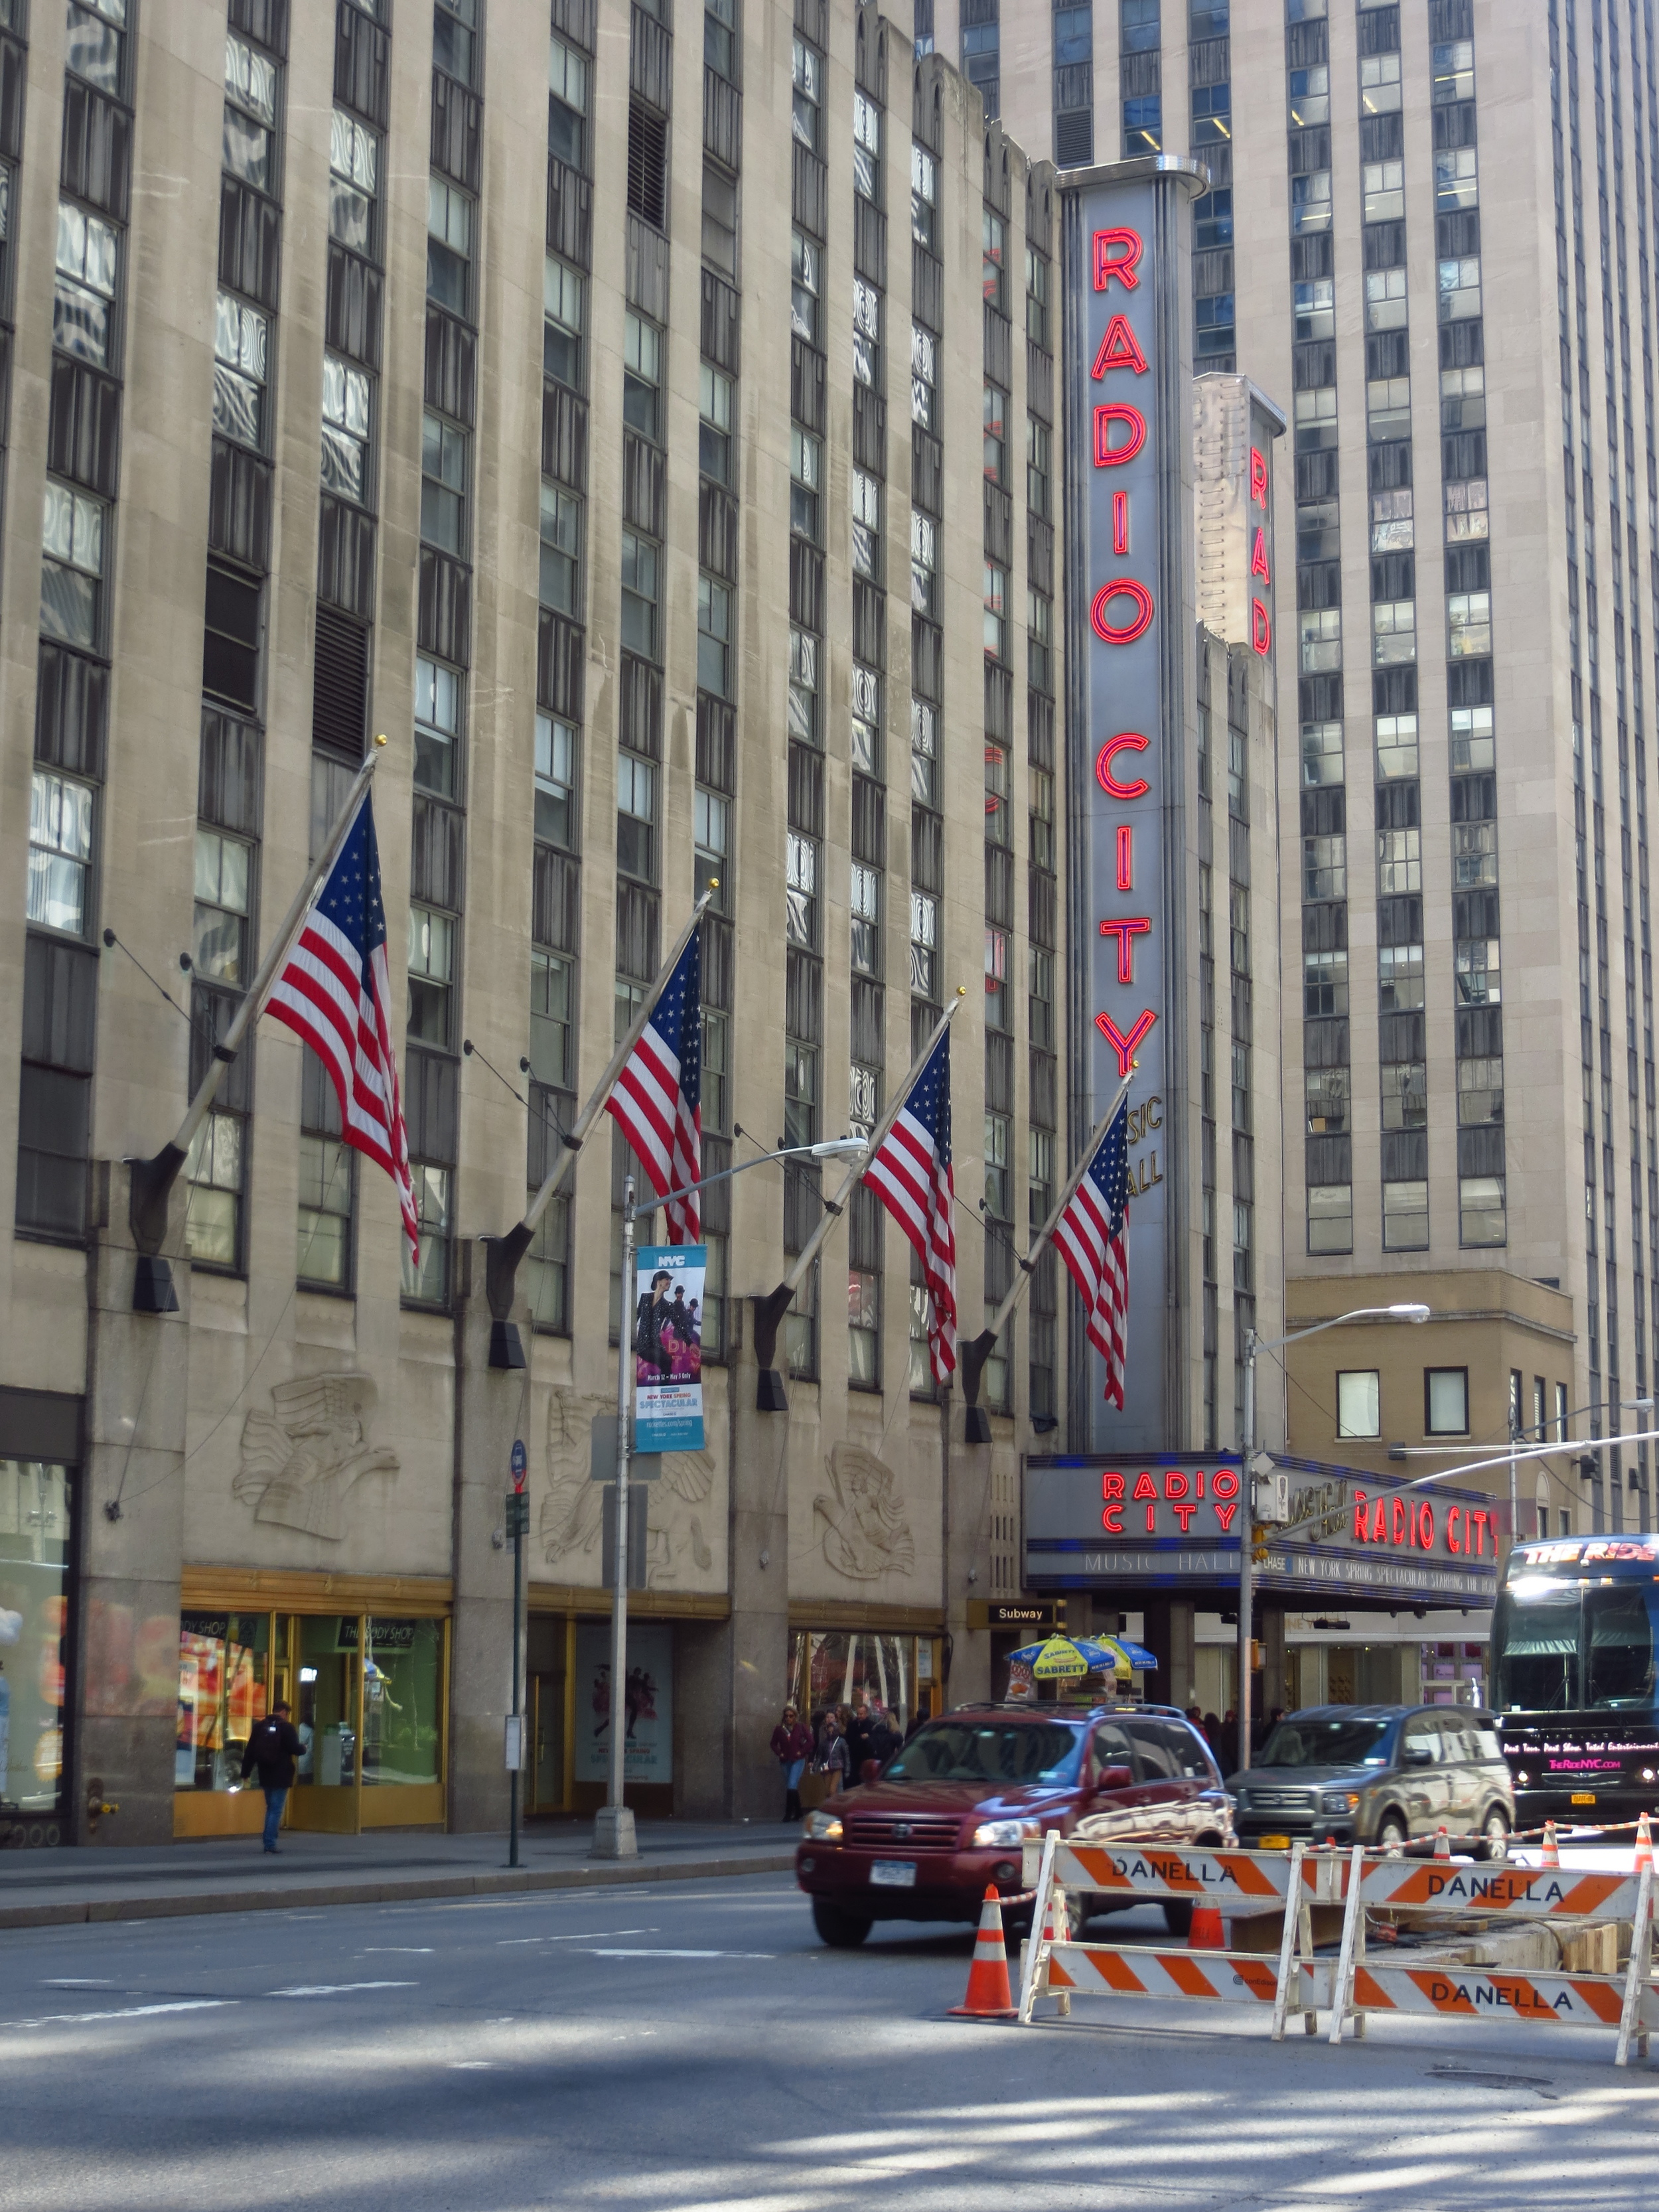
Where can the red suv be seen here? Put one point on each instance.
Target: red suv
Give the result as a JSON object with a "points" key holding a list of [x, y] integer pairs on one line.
{"points": [[950, 1812]]}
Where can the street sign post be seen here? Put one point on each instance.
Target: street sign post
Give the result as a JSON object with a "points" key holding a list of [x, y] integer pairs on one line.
{"points": [[517, 1526]]}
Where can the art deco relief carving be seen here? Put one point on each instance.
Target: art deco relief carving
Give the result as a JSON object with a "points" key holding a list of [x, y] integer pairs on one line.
{"points": [[864, 1528], [300, 1459], [678, 1507]]}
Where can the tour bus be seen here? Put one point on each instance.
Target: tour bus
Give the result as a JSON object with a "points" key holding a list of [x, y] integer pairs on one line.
{"points": [[1573, 1649]]}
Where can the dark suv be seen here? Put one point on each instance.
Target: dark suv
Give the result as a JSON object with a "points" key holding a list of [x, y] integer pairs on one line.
{"points": [[951, 1811], [1385, 1775]]}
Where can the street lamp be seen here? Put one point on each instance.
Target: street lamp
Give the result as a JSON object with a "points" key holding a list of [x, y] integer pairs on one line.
{"points": [[1253, 1344], [1594, 1406], [613, 1825]]}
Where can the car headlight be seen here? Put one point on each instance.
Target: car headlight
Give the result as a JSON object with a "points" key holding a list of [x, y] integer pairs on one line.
{"points": [[1523, 1778], [821, 1828], [1340, 1800], [993, 1835]]}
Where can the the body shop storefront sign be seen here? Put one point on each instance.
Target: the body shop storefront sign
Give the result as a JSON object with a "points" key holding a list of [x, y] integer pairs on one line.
{"points": [[1130, 683], [1167, 1520]]}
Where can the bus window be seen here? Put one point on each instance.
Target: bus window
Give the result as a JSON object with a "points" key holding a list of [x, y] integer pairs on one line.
{"points": [[1621, 1640], [1535, 1648]]}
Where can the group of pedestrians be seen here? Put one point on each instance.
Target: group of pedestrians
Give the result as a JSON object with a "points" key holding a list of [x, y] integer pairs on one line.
{"points": [[840, 1740]]}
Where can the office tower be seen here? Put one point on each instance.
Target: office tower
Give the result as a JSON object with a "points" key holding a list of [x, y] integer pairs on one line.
{"points": [[1430, 234]]}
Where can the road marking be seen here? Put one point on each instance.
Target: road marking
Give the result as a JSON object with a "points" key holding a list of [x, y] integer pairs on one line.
{"points": [[337, 1989], [74, 1982], [381, 1950], [468, 2065], [127, 2012], [589, 1936], [657, 1952]]}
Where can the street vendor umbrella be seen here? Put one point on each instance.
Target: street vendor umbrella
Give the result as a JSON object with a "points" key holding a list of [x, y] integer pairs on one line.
{"points": [[1061, 1655]]}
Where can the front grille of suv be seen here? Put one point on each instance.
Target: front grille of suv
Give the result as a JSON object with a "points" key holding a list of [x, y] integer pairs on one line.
{"points": [[916, 1832]]}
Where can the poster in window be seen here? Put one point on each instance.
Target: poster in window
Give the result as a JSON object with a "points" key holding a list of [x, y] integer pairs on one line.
{"points": [[648, 1703]]}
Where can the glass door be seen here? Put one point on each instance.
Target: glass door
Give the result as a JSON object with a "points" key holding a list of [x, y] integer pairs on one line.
{"points": [[546, 1792], [328, 1713]]}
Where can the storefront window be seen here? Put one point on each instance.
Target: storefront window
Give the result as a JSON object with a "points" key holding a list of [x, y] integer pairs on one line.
{"points": [[224, 1682], [34, 1552], [843, 1667], [402, 1694]]}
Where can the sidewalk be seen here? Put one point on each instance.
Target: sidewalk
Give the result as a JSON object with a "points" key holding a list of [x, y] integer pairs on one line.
{"points": [[80, 1882]]}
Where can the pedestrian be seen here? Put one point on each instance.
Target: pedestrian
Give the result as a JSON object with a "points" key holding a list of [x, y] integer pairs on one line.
{"points": [[884, 1736], [1213, 1734], [858, 1741], [832, 1754], [920, 1721], [792, 1746], [272, 1746]]}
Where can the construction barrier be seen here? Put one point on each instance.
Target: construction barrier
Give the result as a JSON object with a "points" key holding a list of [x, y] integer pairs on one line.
{"points": [[1353, 1986]]}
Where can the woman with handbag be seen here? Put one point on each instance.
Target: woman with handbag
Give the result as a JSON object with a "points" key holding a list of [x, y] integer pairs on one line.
{"points": [[792, 1746]]}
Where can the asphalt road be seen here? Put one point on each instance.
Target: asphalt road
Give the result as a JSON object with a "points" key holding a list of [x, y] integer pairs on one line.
{"points": [[691, 2045]]}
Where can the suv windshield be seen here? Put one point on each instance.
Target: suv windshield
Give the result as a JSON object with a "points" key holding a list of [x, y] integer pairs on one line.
{"points": [[1344, 1739], [1008, 1753]]}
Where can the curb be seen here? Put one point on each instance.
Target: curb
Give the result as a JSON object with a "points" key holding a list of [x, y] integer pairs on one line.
{"points": [[507, 1883]]}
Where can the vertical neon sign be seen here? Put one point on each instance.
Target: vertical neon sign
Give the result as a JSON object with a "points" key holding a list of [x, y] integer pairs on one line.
{"points": [[1130, 631]]}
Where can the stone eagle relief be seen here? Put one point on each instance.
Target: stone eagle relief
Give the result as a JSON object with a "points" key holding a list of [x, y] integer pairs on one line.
{"points": [[863, 1528], [301, 1459]]}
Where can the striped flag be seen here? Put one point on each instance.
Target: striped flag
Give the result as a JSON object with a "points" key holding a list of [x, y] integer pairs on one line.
{"points": [[911, 1174], [657, 1096], [334, 989], [1090, 1234]]}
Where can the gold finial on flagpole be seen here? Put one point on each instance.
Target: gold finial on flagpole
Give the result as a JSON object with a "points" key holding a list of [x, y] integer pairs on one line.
{"points": [[379, 737]]}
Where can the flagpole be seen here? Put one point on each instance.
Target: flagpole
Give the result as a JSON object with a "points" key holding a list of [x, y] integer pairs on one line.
{"points": [[770, 1309], [978, 1351], [503, 1254], [152, 1180]]}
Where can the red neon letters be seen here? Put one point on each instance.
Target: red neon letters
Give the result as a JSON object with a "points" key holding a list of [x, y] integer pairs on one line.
{"points": [[1259, 555], [1125, 849], [1125, 932], [1258, 478], [1182, 1492], [1125, 587], [1262, 629], [1107, 455], [1119, 348], [1120, 522], [1125, 741], [1121, 262], [1124, 1047]]}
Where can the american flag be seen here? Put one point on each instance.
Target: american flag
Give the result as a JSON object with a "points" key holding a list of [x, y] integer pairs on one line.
{"points": [[1089, 1235], [657, 1096], [911, 1174], [335, 990]]}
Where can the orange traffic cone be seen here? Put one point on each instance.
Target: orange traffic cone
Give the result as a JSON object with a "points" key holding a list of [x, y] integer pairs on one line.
{"points": [[1206, 1933], [1549, 1856], [989, 1995], [1442, 1843], [1643, 1846]]}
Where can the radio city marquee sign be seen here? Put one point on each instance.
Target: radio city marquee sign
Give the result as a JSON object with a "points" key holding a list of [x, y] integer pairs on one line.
{"points": [[1130, 718], [1168, 1520]]}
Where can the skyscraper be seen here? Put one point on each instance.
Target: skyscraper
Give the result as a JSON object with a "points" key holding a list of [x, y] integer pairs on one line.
{"points": [[1431, 230]]}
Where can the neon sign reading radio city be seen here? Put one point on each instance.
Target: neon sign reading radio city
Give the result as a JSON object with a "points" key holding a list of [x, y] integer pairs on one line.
{"points": [[1183, 1491], [1123, 608]]}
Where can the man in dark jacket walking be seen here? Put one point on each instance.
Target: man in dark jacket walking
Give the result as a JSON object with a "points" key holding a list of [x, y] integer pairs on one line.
{"points": [[273, 1745]]}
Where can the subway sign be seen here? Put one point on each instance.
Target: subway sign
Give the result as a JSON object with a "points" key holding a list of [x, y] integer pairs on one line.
{"points": [[1130, 707], [1174, 1519]]}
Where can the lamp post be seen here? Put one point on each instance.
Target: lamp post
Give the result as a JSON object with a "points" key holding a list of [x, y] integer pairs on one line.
{"points": [[614, 1836], [1516, 1453], [1253, 1344]]}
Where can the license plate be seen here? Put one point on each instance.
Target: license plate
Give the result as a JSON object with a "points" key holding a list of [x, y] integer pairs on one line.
{"points": [[1583, 1797], [1274, 1842], [893, 1874]]}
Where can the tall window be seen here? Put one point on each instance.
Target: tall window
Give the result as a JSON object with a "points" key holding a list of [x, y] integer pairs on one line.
{"points": [[448, 243]]}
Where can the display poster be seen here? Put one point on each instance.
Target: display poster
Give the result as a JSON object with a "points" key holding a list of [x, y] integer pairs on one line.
{"points": [[648, 1703], [668, 1286]]}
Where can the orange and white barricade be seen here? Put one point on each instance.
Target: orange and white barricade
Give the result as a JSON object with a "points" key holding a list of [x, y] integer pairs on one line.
{"points": [[1255, 1881], [1360, 1986], [1354, 1986]]}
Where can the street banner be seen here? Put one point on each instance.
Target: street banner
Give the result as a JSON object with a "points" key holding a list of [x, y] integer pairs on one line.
{"points": [[668, 1347]]}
